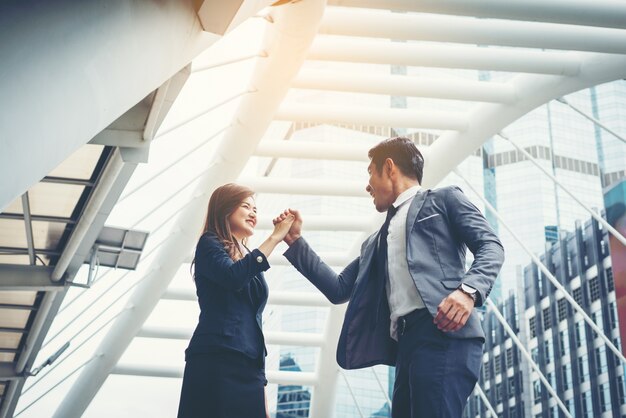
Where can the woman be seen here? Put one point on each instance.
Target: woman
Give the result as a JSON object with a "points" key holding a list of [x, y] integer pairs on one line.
{"points": [[225, 361]]}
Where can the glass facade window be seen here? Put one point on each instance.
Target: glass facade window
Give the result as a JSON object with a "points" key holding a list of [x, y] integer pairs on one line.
{"points": [[512, 412], [583, 368], [547, 318], [597, 319], [569, 404], [499, 393], [605, 397], [532, 327], [486, 370], [601, 359], [581, 336], [587, 405], [509, 357], [609, 279], [567, 376], [613, 315], [621, 390], [594, 289], [537, 391], [534, 354], [497, 364], [562, 309], [554, 412], [578, 295], [511, 385], [564, 342], [548, 351]]}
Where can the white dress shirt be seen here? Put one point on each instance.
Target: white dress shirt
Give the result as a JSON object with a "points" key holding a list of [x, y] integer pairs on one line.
{"points": [[402, 294]]}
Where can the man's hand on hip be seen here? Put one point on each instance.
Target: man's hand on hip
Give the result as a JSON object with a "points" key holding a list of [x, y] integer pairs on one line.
{"points": [[453, 311]]}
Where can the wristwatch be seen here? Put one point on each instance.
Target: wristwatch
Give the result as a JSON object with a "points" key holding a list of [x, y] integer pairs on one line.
{"points": [[469, 290]]}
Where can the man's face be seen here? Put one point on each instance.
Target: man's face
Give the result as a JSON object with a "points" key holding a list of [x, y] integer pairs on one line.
{"points": [[380, 187]]}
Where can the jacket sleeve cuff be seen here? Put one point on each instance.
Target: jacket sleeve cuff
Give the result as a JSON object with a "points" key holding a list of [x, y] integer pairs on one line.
{"points": [[294, 248], [260, 259]]}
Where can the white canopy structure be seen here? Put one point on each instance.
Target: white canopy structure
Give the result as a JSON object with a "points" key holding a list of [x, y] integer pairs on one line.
{"points": [[110, 82]]}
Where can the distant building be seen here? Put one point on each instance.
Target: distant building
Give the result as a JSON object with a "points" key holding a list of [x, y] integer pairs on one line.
{"points": [[586, 375], [293, 401]]}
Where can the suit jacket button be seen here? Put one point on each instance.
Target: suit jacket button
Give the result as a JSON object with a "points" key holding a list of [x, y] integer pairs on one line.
{"points": [[259, 259]]}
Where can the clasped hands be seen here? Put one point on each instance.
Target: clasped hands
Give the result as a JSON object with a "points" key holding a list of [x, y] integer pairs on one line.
{"points": [[296, 226]]}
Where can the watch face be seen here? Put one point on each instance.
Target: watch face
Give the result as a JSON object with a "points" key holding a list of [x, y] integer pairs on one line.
{"points": [[468, 289]]}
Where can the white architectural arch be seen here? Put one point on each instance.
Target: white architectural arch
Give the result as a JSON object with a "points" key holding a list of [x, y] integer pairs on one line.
{"points": [[547, 50]]}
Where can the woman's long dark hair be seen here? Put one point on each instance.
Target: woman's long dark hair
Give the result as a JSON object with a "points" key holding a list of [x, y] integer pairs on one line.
{"points": [[223, 202]]}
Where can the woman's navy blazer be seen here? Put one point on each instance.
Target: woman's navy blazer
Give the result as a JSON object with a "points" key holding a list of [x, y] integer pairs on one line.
{"points": [[232, 296]]}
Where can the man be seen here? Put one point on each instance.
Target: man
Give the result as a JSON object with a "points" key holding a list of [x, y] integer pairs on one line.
{"points": [[410, 299]]}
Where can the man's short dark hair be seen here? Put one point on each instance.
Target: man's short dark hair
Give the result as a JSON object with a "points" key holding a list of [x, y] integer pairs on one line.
{"points": [[404, 154]]}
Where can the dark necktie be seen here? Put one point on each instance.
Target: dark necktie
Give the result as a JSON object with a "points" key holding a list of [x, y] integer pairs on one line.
{"points": [[381, 258]]}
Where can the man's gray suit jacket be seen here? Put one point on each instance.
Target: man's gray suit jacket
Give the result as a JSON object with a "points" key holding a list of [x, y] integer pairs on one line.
{"points": [[441, 224]]}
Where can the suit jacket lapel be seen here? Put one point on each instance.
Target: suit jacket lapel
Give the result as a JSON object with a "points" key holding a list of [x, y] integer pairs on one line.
{"points": [[414, 210]]}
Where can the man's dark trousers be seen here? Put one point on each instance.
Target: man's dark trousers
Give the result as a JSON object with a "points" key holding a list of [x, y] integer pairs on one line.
{"points": [[435, 374]]}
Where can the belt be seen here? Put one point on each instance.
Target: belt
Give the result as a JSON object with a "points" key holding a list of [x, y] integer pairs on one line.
{"points": [[406, 321]]}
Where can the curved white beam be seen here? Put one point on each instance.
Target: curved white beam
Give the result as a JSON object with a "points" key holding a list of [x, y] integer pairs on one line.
{"points": [[344, 49], [467, 30], [372, 116], [312, 150], [303, 339], [399, 85], [287, 40], [328, 223], [287, 298], [305, 186], [331, 258], [279, 297], [273, 376], [602, 13], [487, 119]]}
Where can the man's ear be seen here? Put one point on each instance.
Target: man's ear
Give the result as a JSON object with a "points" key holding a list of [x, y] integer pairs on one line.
{"points": [[388, 166]]}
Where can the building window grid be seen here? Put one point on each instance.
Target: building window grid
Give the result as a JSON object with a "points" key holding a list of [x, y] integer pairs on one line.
{"points": [[610, 285], [587, 405], [497, 364], [583, 368], [534, 354], [499, 393], [601, 362], [567, 376], [509, 357], [562, 309], [605, 397], [536, 391], [511, 387], [581, 335], [564, 342], [548, 351], [486, 370], [613, 315], [594, 289], [547, 318], [578, 295], [598, 320], [532, 325]]}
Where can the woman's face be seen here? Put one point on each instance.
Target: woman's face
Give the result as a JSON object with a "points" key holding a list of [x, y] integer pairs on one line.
{"points": [[243, 220]]}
